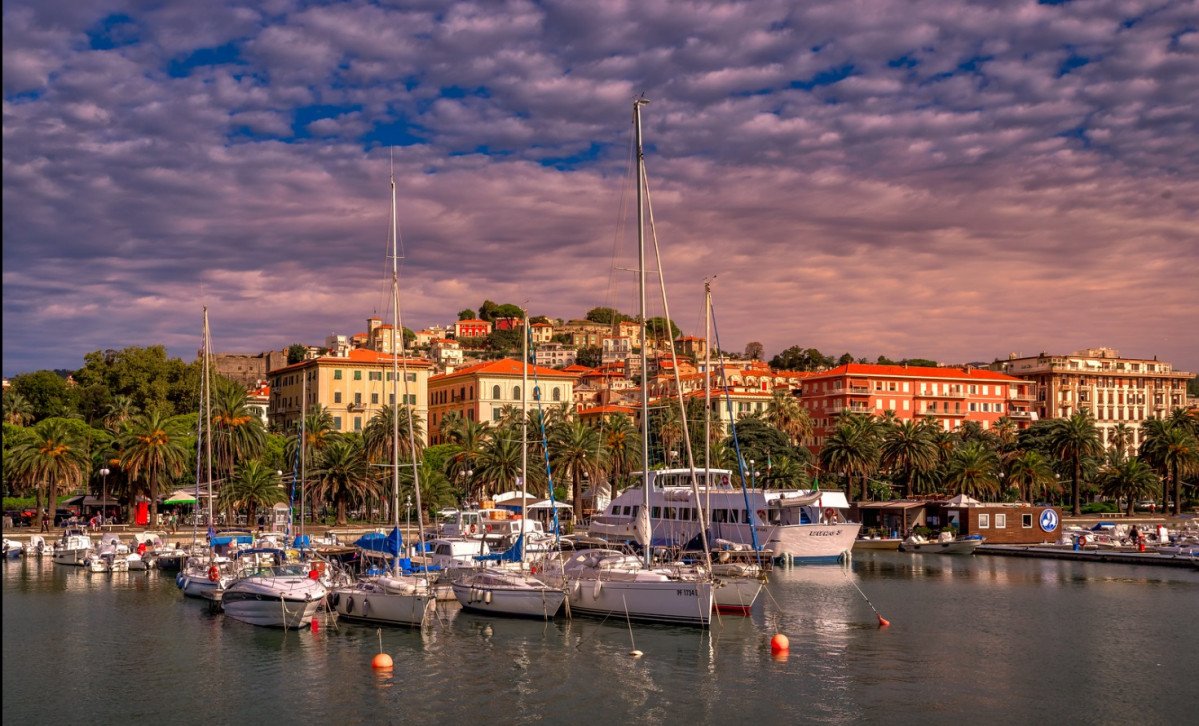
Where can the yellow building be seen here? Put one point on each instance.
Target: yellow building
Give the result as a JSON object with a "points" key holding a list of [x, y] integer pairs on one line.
{"points": [[352, 388], [480, 392]]}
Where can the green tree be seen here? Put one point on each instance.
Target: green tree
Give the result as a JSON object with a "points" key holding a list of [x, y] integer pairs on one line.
{"points": [[18, 411], [591, 356], [852, 450], [798, 358], [606, 316], [973, 469], [46, 392], [237, 432], [343, 475], [497, 469], [54, 456], [908, 449], [754, 350], [253, 485], [468, 438], [466, 314], [1073, 440], [657, 328], [146, 375], [785, 414], [380, 430], [1174, 450], [152, 446], [120, 409], [623, 443], [296, 353], [1031, 473], [575, 450], [1130, 479]]}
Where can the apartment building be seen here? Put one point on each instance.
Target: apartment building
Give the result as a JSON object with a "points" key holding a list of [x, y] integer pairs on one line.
{"points": [[352, 388], [555, 355], [480, 392], [1116, 390], [951, 395]]}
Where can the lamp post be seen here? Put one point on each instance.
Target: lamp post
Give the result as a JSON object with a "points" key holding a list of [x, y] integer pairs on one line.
{"points": [[103, 492], [279, 473], [408, 510], [753, 475]]}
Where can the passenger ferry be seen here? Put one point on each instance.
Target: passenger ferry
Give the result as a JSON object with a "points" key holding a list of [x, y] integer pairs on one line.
{"points": [[803, 526]]}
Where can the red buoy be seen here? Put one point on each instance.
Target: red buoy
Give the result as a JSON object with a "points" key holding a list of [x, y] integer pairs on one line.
{"points": [[883, 622], [780, 644], [316, 625], [381, 662]]}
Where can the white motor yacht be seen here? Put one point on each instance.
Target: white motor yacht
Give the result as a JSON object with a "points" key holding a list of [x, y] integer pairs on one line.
{"points": [[72, 548], [273, 595], [612, 583]]}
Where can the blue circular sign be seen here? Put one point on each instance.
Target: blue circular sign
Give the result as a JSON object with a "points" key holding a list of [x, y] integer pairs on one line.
{"points": [[1048, 520]]}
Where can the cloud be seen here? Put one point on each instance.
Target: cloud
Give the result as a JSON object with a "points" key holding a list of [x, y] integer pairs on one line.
{"points": [[937, 180]]}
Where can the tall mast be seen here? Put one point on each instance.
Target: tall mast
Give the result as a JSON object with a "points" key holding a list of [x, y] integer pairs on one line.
{"points": [[708, 394], [395, 354], [303, 446], [637, 104], [524, 432], [207, 408]]}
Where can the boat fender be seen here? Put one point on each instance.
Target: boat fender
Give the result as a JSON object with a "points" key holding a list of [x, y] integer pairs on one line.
{"points": [[335, 598], [487, 596], [350, 604], [365, 605], [213, 574], [489, 528], [829, 514], [473, 529], [762, 515]]}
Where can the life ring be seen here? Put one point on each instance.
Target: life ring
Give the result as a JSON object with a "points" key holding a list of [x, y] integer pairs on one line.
{"points": [[533, 570], [213, 574], [489, 528], [473, 529], [724, 480], [829, 515], [762, 515]]}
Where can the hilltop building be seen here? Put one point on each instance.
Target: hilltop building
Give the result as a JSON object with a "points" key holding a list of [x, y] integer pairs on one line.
{"points": [[1116, 390], [480, 392]]}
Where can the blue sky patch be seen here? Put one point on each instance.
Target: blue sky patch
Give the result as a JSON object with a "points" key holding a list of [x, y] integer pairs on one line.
{"points": [[113, 31], [570, 162], [826, 77], [307, 114], [220, 55], [396, 133]]}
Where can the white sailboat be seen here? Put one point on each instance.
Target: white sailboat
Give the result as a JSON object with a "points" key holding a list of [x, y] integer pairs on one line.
{"points": [[606, 582], [515, 590], [394, 598]]}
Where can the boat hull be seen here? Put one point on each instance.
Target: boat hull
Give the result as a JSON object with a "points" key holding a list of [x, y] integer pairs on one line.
{"points": [[267, 612], [812, 543], [736, 595], [376, 605], [681, 603], [541, 603], [70, 558]]}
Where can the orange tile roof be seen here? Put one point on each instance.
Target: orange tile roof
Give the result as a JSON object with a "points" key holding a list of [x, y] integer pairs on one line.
{"points": [[865, 369], [576, 368], [472, 320], [356, 355], [608, 409], [502, 367]]}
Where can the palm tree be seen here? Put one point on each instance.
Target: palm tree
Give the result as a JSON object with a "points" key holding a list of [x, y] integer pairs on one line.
{"points": [[668, 424], [973, 469], [497, 469], [152, 445], [380, 431], [623, 442], [785, 414], [253, 485], [907, 446], [1120, 438], [1031, 473], [786, 473], [17, 409], [1129, 478], [1072, 440], [343, 473], [576, 451], [54, 455], [1174, 451], [852, 450], [318, 434], [239, 433], [468, 438], [120, 409]]}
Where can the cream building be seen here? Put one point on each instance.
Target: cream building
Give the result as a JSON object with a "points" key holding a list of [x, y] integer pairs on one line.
{"points": [[1116, 390], [352, 388], [480, 392]]}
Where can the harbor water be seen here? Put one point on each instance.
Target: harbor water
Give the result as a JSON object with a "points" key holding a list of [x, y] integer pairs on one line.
{"points": [[978, 639]]}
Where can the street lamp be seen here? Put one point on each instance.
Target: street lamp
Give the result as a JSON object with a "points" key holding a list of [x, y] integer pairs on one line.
{"points": [[279, 473], [103, 492], [408, 510], [753, 474]]}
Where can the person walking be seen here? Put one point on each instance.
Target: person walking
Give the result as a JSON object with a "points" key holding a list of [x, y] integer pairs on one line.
{"points": [[45, 521]]}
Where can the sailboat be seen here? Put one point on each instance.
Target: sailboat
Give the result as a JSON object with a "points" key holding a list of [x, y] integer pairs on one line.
{"points": [[606, 582], [394, 598], [504, 590]]}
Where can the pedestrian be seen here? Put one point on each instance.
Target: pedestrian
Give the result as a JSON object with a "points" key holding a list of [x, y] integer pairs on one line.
{"points": [[1134, 535], [45, 521], [261, 523]]}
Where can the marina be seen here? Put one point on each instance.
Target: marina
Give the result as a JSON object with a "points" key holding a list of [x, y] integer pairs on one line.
{"points": [[1109, 643]]}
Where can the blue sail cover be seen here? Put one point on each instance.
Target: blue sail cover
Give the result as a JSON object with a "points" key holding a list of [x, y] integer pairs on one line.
{"points": [[391, 543], [512, 554]]}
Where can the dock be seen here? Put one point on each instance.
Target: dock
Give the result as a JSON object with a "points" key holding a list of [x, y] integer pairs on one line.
{"points": [[1129, 557]]}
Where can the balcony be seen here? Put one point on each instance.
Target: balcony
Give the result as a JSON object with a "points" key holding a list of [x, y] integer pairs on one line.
{"points": [[1020, 415], [839, 408], [951, 394], [1022, 397]]}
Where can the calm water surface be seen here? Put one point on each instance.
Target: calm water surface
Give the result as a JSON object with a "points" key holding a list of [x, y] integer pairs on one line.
{"points": [[984, 639]]}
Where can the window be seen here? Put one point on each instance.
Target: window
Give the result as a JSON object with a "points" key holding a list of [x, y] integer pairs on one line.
{"points": [[656, 512], [411, 399], [495, 413], [411, 378], [374, 398], [358, 375], [391, 399], [516, 393], [357, 423], [337, 397], [357, 398], [1026, 521], [557, 394], [336, 374], [984, 521], [495, 392], [1000, 521], [337, 422]]}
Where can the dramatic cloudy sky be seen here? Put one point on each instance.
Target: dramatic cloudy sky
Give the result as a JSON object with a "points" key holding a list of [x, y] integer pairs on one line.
{"points": [[946, 179]]}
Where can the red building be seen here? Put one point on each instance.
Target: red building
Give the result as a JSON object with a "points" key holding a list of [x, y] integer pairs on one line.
{"points": [[471, 329], [950, 395]]}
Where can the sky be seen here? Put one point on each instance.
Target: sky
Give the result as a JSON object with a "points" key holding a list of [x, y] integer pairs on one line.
{"points": [[937, 179]]}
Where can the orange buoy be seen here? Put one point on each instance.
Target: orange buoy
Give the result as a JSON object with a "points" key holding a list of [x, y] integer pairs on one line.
{"points": [[316, 625], [883, 622], [780, 644], [381, 662]]}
